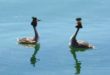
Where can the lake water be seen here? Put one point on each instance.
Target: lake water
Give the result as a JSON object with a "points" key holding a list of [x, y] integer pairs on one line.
{"points": [[53, 55]]}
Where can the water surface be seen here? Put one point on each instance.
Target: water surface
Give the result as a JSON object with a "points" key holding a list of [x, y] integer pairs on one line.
{"points": [[54, 57]]}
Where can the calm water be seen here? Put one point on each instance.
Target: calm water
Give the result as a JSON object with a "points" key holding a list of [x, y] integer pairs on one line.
{"points": [[53, 55]]}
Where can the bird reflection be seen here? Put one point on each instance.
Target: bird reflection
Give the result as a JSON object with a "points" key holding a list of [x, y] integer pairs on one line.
{"points": [[77, 62], [33, 58]]}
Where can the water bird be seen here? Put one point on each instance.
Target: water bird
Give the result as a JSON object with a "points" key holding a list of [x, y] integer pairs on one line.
{"points": [[29, 40], [79, 43]]}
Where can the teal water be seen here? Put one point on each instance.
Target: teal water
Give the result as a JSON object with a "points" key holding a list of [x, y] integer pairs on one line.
{"points": [[53, 56]]}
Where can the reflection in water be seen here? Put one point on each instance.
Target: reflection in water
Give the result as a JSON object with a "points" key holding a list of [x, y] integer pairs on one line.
{"points": [[77, 62], [28, 45], [34, 59], [36, 47]]}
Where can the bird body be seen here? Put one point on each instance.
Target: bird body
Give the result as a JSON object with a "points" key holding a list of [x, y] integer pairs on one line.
{"points": [[80, 44], [26, 40]]}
